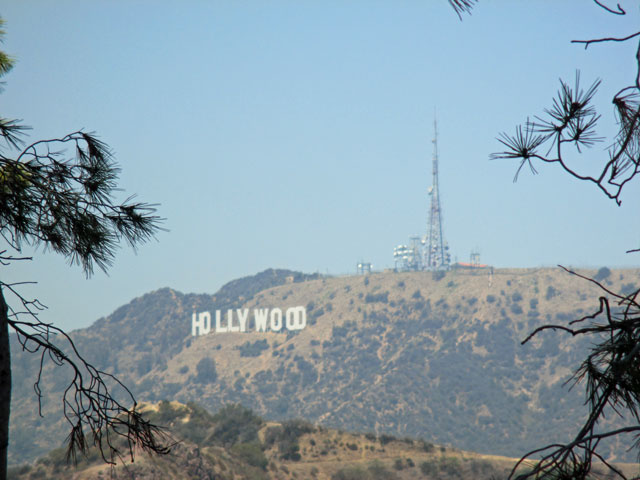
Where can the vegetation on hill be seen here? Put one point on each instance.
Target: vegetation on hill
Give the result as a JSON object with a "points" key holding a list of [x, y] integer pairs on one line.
{"points": [[237, 444], [401, 354]]}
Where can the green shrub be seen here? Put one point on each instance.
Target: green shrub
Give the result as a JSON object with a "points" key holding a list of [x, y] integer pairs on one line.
{"points": [[377, 297], [428, 468], [516, 309], [384, 439], [628, 289], [350, 473], [253, 349], [427, 447], [286, 437], [206, 370], [438, 275], [602, 274], [13, 472], [235, 424], [251, 453], [377, 471]]}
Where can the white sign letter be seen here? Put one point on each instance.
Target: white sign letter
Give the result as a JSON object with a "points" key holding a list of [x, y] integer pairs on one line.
{"points": [[260, 319], [276, 320], [230, 327], [219, 328], [202, 324], [296, 318], [242, 318]]}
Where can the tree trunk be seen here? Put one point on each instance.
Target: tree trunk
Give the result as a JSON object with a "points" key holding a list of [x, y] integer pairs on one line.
{"points": [[5, 386]]}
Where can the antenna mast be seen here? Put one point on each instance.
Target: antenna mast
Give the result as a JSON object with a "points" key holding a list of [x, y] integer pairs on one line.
{"points": [[437, 251]]}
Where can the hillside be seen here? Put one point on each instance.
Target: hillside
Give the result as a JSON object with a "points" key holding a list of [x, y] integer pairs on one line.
{"points": [[408, 354], [237, 444]]}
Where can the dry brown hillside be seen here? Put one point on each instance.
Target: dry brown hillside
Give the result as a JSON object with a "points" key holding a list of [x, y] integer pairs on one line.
{"points": [[407, 354]]}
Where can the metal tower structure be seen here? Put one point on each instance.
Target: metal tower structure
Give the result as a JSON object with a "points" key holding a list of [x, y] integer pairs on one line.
{"points": [[436, 250]]}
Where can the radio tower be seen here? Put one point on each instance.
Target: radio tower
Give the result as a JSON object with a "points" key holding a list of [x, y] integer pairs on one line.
{"points": [[436, 250]]}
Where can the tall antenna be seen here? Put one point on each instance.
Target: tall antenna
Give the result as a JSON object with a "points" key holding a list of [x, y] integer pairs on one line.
{"points": [[436, 250]]}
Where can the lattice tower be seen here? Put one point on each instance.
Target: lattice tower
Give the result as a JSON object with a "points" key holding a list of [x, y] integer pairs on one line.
{"points": [[436, 250]]}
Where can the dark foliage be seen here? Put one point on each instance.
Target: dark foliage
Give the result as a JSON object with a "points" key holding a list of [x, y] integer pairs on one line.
{"points": [[206, 370], [602, 274], [235, 424], [66, 203], [253, 349], [611, 373]]}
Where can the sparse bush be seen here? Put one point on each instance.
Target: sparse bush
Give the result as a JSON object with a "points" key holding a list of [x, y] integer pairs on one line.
{"points": [[251, 453], [417, 295], [286, 437], [253, 349], [428, 469], [20, 470], [438, 275], [491, 298], [602, 274], [516, 309], [206, 370], [235, 424], [350, 473], [628, 288], [377, 471], [516, 296], [427, 447], [384, 439], [377, 297]]}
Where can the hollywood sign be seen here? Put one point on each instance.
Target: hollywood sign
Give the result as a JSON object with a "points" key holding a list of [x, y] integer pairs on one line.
{"points": [[264, 319]]}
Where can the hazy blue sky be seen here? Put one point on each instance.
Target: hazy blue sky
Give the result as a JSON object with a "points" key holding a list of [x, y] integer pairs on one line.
{"points": [[297, 134]]}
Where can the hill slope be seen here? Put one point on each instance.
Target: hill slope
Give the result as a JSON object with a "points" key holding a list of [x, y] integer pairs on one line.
{"points": [[237, 444], [399, 353]]}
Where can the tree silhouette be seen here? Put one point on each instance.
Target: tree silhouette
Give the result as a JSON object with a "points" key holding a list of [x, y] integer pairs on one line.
{"points": [[611, 371], [65, 203]]}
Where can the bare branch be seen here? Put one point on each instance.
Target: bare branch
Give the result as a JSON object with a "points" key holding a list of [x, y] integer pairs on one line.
{"points": [[619, 11], [95, 415], [605, 39]]}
